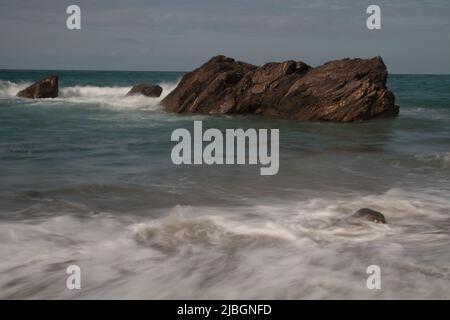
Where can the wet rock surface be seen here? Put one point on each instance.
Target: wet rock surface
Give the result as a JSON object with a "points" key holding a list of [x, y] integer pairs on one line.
{"points": [[152, 91], [369, 215]]}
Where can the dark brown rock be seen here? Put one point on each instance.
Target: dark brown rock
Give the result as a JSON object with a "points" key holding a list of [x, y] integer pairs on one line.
{"points": [[146, 90], [344, 90], [369, 215], [45, 88]]}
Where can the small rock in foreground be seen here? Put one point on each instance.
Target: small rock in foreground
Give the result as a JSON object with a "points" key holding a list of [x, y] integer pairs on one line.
{"points": [[369, 215]]}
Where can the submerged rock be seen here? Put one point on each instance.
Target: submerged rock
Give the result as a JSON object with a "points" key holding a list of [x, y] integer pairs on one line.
{"points": [[343, 90], [45, 88], [153, 91], [369, 215]]}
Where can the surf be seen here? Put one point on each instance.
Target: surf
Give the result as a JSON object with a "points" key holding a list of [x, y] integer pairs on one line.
{"points": [[102, 96]]}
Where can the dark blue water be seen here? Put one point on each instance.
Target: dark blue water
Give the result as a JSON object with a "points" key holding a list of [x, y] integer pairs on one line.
{"points": [[87, 177]]}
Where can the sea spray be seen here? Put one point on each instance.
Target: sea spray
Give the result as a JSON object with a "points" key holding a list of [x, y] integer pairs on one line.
{"points": [[112, 97]]}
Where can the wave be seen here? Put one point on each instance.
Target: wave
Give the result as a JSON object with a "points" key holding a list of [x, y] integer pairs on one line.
{"points": [[111, 97], [299, 249], [441, 160], [8, 89], [174, 232]]}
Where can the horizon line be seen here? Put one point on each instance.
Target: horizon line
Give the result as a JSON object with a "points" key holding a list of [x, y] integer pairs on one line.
{"points": [[109, 70], [181, 71]]}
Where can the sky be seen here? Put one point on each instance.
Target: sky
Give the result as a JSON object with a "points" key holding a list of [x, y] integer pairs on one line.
{"points": [[179, 35]]}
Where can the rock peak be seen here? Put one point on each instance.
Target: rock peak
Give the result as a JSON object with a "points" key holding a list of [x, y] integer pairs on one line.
{"points": [[44, 88]]}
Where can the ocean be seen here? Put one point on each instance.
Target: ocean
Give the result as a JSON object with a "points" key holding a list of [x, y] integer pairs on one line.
{"points": [[86, 179]]}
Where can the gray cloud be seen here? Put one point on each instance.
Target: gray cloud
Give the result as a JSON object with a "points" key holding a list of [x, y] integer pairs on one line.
{"points": [[181, 34]]}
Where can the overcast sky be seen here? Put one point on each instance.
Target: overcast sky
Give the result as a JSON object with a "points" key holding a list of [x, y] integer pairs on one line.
{"points": [[182, 34]]}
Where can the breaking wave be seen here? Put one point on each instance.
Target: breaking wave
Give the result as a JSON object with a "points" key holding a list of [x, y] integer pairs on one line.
{"points": [[8, 89], [113, 97]]}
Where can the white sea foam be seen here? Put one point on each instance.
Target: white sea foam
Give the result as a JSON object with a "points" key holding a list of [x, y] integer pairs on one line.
{"points": [[9, 89], [109, 97], [303, 249]]}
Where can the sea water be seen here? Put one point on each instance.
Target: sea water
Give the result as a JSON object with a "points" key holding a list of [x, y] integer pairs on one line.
{"points": [[86, 179]]}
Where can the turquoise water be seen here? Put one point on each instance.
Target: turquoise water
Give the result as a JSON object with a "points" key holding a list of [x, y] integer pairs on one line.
{"points": [[87, 179]]}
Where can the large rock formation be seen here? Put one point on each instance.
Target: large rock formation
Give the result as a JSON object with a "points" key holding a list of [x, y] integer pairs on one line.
{"points": [[342, 90], [45, 88], [146, 90]]}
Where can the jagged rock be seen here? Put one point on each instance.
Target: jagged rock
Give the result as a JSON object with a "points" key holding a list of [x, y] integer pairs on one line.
{"points": [[344, 90], [153, 91], [369, 215], [45, 88]]}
